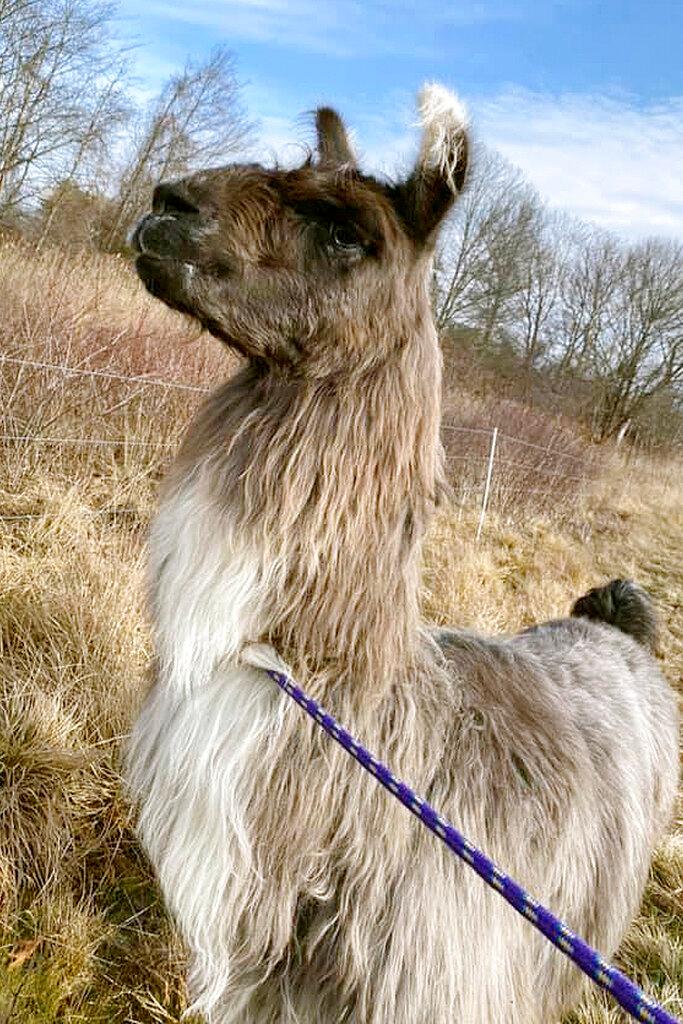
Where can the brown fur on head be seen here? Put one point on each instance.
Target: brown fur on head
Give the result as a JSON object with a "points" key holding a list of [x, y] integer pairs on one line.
{"points": [[300, 267]]}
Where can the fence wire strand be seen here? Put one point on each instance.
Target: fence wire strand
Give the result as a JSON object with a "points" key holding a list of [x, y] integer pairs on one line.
{"points": [[74, 371], [97, 441], [513, 440]]}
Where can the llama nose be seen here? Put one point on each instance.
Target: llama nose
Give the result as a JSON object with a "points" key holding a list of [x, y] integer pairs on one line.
{"points": [[173, 198]]}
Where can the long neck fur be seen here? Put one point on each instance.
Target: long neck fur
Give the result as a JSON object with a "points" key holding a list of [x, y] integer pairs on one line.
{"points": [[331, 481]]}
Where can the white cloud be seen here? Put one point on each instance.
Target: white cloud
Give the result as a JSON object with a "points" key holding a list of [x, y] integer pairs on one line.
{"points": [[606, 159]]}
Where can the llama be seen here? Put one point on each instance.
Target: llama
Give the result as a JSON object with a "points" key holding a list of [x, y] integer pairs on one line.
{"points": [[289, 533]]}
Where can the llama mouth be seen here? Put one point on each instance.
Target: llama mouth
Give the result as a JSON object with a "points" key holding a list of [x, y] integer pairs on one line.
{"points": [[153, 272], [166, 279], [162, 245]]}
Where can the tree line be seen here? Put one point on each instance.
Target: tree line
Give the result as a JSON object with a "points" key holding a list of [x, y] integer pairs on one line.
{"points": [[586, 316], [581, 316]]}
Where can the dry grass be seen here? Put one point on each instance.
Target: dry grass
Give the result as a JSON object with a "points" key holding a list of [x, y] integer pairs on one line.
{"points": [[83, 935]]}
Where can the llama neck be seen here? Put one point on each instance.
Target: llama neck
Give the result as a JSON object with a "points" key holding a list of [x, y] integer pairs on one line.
{"points": [[332, 483]]}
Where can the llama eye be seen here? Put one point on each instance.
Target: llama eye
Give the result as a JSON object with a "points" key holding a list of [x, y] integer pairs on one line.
{"points": [[343, 240]]}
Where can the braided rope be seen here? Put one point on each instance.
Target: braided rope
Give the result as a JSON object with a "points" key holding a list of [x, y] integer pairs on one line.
{"points": [[624, 991]]}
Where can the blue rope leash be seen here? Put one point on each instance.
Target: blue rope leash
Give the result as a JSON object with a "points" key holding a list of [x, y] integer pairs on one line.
{"points": [[626, 993]]}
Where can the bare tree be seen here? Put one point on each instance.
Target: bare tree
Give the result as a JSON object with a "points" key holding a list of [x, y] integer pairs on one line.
{"points": [[480, 265], [196, 121], [639, 352], [61, 91], [534, 305], [462, 252], [606, 319], [593, 271]]}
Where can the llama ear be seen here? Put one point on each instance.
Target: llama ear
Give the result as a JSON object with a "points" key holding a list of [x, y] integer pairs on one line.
{"points": [[334, 147], [425, 198]]}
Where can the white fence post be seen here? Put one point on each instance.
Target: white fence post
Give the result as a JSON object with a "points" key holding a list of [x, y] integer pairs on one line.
{"points": [[487, 486]]}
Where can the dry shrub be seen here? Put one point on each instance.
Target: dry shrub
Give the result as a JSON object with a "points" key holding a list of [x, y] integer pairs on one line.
{"points": [[90, 313], [90, 309], [540, 463]]}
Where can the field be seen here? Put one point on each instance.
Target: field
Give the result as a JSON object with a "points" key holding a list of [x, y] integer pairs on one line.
{"points": [[84, 935]]}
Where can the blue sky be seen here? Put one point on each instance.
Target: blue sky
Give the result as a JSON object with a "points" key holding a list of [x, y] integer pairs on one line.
{"points": [[585, 96]]}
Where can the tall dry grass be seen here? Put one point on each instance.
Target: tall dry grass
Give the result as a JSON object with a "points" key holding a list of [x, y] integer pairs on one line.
{"points": [[83, 934]]}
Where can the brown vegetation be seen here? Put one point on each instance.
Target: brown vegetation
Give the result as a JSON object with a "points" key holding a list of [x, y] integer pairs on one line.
{"points": [[84, 937]]}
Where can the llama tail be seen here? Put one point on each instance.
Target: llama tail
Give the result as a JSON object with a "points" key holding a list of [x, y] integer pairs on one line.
{"points": [[625, 605]]}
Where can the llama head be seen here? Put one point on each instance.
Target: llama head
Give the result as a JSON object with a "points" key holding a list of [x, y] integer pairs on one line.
{"points": [[314, 270]]}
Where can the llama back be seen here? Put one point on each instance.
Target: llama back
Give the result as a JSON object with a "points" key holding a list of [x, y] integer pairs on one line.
{"points": [[578, 708]]}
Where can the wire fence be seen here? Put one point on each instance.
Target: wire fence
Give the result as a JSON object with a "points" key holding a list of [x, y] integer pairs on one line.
{"points": [[488, 431], [77, 371], [495, 468], [486, 472], [111, 512]]}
